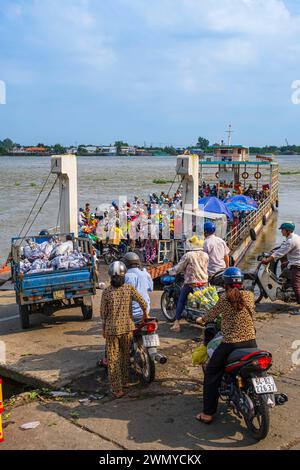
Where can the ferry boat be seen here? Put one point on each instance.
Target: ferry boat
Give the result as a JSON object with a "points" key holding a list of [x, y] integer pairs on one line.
{"points": [[231, 171]]}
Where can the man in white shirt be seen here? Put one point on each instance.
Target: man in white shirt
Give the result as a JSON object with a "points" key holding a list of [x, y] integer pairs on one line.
{"points": [[216, 249], [291, 249]]}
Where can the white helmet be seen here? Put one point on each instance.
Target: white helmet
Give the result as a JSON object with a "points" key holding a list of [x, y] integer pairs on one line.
{"points": [[117, 268]]}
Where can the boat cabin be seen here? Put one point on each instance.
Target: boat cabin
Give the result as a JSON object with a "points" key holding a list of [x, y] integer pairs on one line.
{"points": [[230, 153]]}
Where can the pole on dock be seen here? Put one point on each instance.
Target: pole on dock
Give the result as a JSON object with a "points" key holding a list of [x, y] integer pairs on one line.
{"points": [[188, 169], [65, 166]]}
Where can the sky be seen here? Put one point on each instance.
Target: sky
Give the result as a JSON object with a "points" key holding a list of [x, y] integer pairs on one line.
{"points": [[156, 71]]}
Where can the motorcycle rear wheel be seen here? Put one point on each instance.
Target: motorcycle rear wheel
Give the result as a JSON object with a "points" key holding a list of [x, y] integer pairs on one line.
{"points": [[168, 306], [259, 425], [144, 364]]}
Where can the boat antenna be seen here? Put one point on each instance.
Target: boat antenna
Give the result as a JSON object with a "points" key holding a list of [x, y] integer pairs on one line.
{"points": [[229, 132]]}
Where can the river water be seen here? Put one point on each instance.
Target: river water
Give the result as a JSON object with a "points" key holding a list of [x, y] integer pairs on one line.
{"points": [[103, 179]]}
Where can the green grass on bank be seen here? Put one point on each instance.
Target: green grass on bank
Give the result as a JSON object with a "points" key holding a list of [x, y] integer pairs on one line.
{"points": [[289, 173], [162, 181]]}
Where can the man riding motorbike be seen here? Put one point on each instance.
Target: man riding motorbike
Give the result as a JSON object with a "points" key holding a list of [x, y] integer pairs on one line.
{"points": [[194, 264], [216, 249], [291, 249], [141, 280], [237, 309]]}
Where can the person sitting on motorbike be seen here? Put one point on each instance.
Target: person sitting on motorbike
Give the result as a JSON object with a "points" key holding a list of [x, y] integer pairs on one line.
{"points": [[118, 325], [141, 280], [216, 249], [194, 264], [237, 309], [291, 249]]}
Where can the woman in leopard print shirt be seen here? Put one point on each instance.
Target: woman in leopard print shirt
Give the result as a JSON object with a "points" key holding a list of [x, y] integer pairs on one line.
{"points": [[237, 308], [118, 325]]}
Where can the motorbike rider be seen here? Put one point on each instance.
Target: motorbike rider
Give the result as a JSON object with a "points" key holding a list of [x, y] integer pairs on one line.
{"points": [[216, 249], [194, 264], [118, 325], [291, 249], [237, 309], [141, 280]]}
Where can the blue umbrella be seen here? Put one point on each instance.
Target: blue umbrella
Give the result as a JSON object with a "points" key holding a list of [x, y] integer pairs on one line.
{"points": [[241, 198], [215, 205], [239, 206]]}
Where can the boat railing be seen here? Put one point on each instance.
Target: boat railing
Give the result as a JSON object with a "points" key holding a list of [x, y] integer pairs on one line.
{"points": [[243, 230]]}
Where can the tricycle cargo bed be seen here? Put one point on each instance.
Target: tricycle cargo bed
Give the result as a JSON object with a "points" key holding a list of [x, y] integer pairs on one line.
{"points": [[45, 286]]}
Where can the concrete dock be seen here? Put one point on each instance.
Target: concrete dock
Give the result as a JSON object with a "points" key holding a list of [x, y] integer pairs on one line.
{"points": [[62, 351]]}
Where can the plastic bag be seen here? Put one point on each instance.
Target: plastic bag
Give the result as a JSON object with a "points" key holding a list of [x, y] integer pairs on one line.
{"points": [[199, 355], [25, 266], [47, 248], [60, 262], [214, 344]]}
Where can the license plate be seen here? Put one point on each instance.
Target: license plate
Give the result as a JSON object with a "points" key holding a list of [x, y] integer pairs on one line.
{"points": [[151, 341], [58, 294], [264, 385]]}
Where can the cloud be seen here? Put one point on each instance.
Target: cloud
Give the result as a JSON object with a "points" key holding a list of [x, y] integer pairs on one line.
{"points": [[151, 58]]}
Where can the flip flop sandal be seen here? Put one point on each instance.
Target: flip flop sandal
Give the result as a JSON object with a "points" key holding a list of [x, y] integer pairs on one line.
{"points": [[205, 421]]}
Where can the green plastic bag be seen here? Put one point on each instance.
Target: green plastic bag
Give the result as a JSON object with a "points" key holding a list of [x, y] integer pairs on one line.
{"points": [[199, 355]]}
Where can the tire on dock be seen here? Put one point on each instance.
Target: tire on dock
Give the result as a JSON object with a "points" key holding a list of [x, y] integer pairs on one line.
{"points": [[253, 235]]}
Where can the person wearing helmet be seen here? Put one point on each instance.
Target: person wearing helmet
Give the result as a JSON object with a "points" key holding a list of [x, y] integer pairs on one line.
{"points": [[118, 325], [141, 280], [194, 264], [237, 308], [291, 249], [216, 249], [46, 237]]}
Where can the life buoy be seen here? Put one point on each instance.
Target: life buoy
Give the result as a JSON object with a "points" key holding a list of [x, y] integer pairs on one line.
{"points": [[264, 220], [257, 175], [253, 234], [245, 175]]}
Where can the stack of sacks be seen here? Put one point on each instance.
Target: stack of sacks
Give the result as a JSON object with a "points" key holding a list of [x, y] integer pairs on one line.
{"points": [[51, 256]]}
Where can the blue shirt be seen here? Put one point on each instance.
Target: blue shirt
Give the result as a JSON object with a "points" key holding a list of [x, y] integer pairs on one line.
{"points": [[142, 281]]}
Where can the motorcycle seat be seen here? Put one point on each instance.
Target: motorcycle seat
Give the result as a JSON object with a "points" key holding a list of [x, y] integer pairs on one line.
{"points": [[237, 354]]}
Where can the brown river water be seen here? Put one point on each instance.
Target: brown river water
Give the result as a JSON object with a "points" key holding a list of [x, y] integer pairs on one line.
{"points": [[103, 179]]}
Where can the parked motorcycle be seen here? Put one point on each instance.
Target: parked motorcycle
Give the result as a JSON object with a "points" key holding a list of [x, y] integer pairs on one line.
{"points": [[271, 283], [113, 253], [144, 353]]}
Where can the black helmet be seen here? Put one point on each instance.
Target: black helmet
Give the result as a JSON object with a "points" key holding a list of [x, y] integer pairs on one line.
{"points": [[132, 260], [117, 268], [233, 276], [44, 233]]}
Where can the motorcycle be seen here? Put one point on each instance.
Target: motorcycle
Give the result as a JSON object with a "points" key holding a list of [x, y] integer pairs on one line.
{"points": [[247, 387], [171, 292], [249, 390], [267, 283], [143, 352], [113, 253]]}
